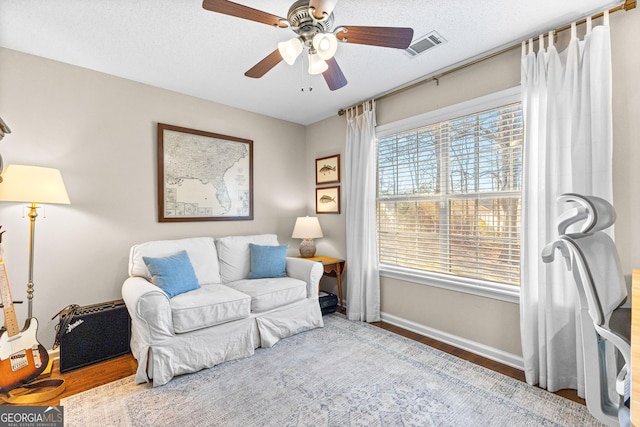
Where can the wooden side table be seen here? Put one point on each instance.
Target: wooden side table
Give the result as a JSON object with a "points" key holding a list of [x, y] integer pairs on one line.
{"points": [[333, 267]]}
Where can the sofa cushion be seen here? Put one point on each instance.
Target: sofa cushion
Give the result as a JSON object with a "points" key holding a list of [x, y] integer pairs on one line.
{"points": [[267, 294], [207, 306], [267, 261], [234, 255], [201, 250], [173, 274]]}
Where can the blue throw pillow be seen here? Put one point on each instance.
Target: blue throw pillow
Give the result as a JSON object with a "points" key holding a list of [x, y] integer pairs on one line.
{"points": [[173, 274], [267, 261]]}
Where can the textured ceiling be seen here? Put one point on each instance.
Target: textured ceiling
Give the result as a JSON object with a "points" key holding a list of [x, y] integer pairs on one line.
{"points": [[177, 45]]}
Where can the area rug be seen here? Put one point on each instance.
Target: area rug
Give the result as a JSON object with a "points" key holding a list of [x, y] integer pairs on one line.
{"points": [[345, 374]]}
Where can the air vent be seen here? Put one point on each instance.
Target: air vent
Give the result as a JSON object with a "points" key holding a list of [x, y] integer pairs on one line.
{"points": [[425, 43]]}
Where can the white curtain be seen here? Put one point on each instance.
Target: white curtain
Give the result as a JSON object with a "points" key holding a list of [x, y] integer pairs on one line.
{"points": [[363, 290], [568, 148]]}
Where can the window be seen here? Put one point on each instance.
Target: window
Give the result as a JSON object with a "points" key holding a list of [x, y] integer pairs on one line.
{"points": [[449, 192]]}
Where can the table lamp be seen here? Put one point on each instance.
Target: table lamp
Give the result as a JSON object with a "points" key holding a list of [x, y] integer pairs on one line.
{"points": [[34, 185], [307, 229]]}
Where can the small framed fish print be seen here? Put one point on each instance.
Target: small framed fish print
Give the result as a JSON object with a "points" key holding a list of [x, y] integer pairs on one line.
{"points": [[328, 170], [328, 200]]}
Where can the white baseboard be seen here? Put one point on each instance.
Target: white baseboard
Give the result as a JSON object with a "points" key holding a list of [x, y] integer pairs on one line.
{"points": [[54, 354], [492, 353]]}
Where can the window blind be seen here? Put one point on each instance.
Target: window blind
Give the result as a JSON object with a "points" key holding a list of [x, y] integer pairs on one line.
{"points": [[449, 196]]}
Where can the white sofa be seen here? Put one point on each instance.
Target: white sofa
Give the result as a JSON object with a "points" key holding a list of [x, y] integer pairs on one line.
{"points": [[226, 317]]}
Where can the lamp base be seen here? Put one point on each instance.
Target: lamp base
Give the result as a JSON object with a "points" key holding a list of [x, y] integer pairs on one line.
{"points": [[307, 248]]}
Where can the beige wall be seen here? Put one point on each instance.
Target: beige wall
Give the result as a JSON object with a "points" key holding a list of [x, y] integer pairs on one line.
{"points": [[482, 320], [625, 34], [100, 131], [487, 321], [326, 138]]}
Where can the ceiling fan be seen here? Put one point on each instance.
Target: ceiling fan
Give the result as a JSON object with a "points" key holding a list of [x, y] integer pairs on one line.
{"points": [[312, 21]]}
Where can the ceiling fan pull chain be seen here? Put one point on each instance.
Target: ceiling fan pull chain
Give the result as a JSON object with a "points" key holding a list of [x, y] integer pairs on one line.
{"points": [[302, 78], [302, 75]]}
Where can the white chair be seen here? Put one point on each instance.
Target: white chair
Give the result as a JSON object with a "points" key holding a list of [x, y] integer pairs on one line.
{"points": [[591, 255]]}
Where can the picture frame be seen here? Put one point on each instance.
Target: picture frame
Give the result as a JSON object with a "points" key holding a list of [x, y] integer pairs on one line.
{"points": [[328, 170], [328, 200], [203, 176]]}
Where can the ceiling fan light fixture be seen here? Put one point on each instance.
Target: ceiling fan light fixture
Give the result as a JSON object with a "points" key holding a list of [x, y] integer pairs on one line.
{"points": [[312, 22], [290, 50], [317, 65], [326, 44]]}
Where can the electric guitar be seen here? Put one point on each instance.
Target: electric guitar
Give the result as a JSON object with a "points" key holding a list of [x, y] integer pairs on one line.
{"points": [[22, 357]]}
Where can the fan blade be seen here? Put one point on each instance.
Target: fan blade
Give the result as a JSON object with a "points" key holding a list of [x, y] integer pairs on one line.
{"points": [[245, 12], [397, 37], [333, 76], [322, 7], [262, 67]]}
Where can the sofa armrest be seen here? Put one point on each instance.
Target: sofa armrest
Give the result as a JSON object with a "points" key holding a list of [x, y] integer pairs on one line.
{"points": [[149, 308], [309, 271]]}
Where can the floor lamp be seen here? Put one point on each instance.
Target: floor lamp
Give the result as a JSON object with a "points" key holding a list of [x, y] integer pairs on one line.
{"points": [[34, 185]]}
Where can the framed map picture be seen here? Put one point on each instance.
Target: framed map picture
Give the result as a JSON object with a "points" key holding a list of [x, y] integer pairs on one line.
{"points": [[328, 170], [203, 176], [328, 200]]}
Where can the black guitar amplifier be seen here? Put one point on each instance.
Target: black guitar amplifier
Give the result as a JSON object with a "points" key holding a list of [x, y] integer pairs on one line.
{"points": [[95, 333], [328, 302]]}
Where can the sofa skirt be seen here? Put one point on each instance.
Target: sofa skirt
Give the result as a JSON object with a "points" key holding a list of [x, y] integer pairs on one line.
{"points": [[204, 348], [284, 322], [197, 350]]}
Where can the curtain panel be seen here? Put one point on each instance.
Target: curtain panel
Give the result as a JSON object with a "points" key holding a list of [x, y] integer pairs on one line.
{"points": [[568, 148], [363, 290]]}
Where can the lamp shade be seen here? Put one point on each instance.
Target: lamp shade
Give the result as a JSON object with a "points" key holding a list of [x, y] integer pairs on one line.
{"points": [[316, 64], [326, 44], [307, 228], [33, 184], [290, 50]]}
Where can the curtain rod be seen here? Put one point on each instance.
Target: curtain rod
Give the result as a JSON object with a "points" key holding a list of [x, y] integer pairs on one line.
{"points": [[628, 5]]}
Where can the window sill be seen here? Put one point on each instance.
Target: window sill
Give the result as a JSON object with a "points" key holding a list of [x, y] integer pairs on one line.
{"points": [[508, 293]]}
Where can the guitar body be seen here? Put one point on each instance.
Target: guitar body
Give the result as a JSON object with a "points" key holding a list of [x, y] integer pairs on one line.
{"points": [[22, 357]]}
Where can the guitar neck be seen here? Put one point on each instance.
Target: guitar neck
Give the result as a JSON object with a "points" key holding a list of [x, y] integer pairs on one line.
{"points": [[10, 319]]}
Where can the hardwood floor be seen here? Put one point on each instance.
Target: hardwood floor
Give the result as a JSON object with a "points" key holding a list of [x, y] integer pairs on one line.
{"points": [[88, 377], [123, 366]]}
